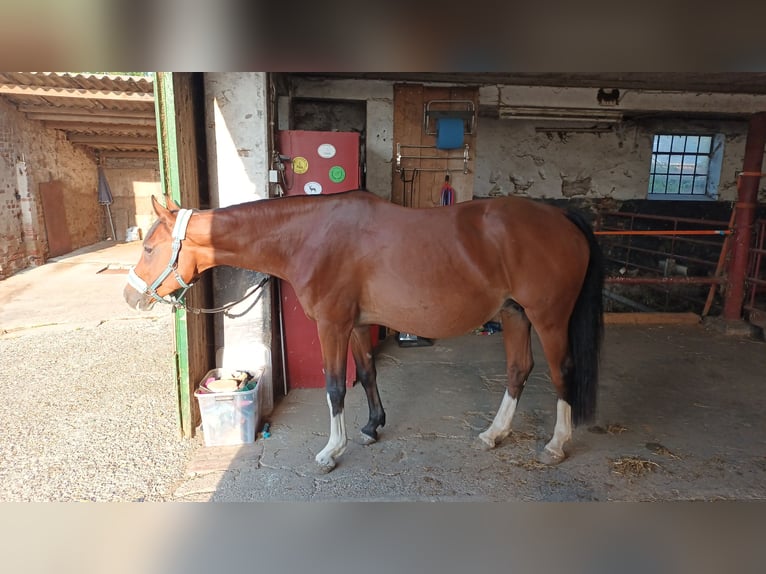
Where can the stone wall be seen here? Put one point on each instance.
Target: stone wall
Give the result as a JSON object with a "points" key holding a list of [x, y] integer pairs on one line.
{"points": [[516, 159], [12, 252], [31, 154]]}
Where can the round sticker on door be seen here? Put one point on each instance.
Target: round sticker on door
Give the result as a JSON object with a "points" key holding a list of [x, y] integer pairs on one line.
{"points": [[337, 174], [326, 150], [312, 188], [300, 165]]}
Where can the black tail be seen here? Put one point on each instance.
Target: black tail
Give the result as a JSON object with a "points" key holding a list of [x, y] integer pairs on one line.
{"points": [[586, 331]]}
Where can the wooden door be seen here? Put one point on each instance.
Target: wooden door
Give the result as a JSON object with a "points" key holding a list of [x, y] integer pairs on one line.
{"points": [[54, 215], [418, 182]]}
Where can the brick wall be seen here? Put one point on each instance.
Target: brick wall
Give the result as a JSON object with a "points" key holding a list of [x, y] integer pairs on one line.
{"points": [[45, 155], [12, 251]]}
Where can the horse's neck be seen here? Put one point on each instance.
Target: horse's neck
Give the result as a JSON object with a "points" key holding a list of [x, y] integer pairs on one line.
{"points": [[258, 236]]}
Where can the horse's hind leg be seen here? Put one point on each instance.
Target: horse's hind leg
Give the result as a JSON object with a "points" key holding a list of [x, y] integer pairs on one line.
{"points": [[518, 351], [554, 339], [361, 349], [334, 342]]}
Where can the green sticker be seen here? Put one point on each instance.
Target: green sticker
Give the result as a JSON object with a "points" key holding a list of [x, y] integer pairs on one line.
{"points": [[337, 174]]}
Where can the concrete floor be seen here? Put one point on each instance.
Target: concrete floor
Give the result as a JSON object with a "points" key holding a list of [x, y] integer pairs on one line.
{"points": [[77, 289], [680, 414], [680, 418]]}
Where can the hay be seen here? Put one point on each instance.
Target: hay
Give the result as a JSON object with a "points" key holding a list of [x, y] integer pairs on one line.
{"points": [[611, 428], [519, 436], [532, 464], [657, 448], [632, 466]]}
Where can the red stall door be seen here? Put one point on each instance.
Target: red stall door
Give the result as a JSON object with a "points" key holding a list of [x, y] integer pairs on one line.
{"points": [[318, 163]]}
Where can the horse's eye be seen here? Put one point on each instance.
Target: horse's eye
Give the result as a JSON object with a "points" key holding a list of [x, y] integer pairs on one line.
{"points": [[148, 250]]}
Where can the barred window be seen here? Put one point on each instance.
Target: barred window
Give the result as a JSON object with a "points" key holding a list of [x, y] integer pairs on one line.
{"points": [[685, 166]]}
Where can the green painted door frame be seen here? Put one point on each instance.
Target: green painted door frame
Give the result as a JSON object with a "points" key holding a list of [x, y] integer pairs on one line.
{"points": [[175, 113]]}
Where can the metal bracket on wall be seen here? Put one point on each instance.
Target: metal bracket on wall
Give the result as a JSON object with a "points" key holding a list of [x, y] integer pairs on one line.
{"points": [[399, 157], [462, 109]]}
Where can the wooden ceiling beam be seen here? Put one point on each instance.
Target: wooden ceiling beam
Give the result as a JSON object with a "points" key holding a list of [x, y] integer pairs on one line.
{"points": [[123, 149], [96, 140], [88, 112], [84, 119], [45, 92], [89, 126], [115, 154]]}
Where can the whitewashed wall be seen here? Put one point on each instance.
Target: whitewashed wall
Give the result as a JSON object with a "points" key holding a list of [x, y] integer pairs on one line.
{"points": [[515, 159], [237, 122], [132, 190]]}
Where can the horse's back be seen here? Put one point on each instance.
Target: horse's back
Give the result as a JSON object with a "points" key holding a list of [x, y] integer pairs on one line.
{"points": [[448, 269], [490, 240]]}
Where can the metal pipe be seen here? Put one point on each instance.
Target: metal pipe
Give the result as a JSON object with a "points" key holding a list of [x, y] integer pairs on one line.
{"points": [[280, 314], [665, 218], [667, 232], [712, 243], [455, 157], [747, 195], [757, 253], [677, 257], [719, 266], [664, 280]]}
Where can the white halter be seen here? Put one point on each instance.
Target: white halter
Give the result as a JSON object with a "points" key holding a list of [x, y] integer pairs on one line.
{"points": [[179, 234]]}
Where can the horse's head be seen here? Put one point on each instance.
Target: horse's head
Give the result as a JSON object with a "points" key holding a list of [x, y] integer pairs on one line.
{"points": [[167, 263]]}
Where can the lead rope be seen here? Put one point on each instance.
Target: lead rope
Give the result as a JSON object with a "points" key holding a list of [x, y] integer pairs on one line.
{"points": [[177, 304]]}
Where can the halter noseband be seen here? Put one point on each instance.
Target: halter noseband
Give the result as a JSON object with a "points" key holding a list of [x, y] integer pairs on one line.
{"points": [[179, 234]]}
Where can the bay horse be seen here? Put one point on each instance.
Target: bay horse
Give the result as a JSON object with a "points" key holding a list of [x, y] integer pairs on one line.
{"points": [[356, 260]]}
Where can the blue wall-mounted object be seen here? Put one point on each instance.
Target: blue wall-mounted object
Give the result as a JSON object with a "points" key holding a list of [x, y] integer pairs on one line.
{"points": [[449, 133]]}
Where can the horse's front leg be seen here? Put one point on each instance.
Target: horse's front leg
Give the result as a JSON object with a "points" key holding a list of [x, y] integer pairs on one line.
{"points": [[334, 342], [361, 348]]}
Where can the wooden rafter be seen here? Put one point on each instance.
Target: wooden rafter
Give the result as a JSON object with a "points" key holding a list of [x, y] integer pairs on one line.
{"points": [[46, 92], [87, 112], [74, 126], [112, 154], [97, 140], [104, 120]]}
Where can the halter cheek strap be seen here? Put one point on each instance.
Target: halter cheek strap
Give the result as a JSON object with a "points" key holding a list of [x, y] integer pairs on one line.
{"points": [[178, 235]]}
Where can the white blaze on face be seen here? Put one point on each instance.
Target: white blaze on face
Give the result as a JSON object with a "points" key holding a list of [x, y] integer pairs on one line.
{"points": [[337, 443], [501, 425]]}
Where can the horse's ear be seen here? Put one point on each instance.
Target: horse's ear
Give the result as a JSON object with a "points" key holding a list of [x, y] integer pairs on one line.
{"points": [[172, 205], [161, 211]]}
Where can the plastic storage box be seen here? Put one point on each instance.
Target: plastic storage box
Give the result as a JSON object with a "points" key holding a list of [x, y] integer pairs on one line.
{"points": [[228, 418]]}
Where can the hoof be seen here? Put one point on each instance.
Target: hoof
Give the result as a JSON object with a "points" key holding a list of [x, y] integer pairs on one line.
{"points": [[367, 439], [325, 466], [484, 443], [549, 457]]}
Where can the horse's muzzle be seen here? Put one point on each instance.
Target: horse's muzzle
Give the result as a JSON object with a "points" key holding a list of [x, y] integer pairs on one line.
{"points": [[137, 300]]}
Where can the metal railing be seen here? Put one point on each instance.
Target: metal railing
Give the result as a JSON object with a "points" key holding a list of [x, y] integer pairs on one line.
{"points": [[755, 282], [662, 263]]}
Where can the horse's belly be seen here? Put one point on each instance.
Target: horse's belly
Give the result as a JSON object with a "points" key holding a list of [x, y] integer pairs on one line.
{"points": [[436, 318]]}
